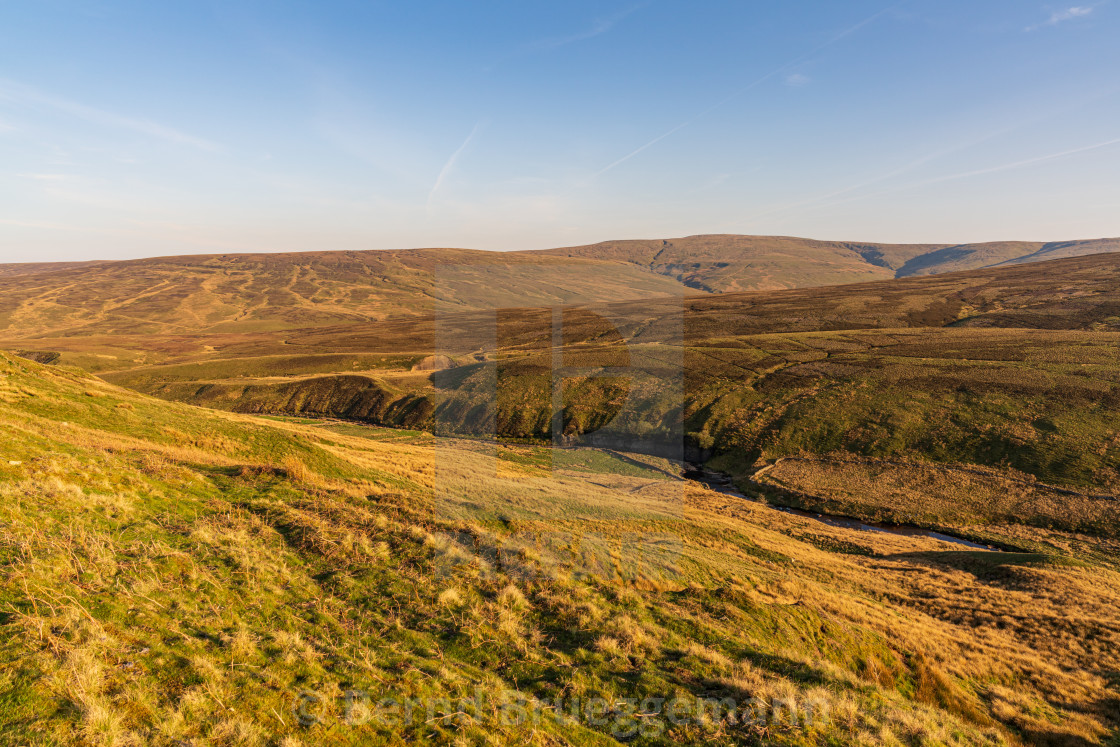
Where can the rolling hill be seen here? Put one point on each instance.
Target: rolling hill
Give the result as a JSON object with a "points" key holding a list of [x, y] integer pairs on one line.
{"points": [[251, 571], [761, 373], [1013, 369], [253, 293], [260, 292], [729, 263]]}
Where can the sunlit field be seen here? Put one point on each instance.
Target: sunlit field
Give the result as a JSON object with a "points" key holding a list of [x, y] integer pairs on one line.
{"points": [[178, 574]]}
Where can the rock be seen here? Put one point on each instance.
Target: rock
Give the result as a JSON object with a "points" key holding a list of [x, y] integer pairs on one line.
{"points": [[434, 363]]}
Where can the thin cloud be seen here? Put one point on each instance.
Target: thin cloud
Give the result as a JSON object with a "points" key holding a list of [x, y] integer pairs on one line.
{"points": [[166, 233], [797, 80], [11, 91], [982, 172], [1021, 164], [870, 182], [1061, 16], [753, 84], [830, 198], [450, 165], [35, 224], [649, 144], [598, 28], [46, 177]]}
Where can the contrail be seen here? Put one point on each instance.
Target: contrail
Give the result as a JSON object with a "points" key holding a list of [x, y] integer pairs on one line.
{"points": [[923, 160], [1019, 164], [753, 84], [980, 172], [20, 93], [870, 182], [450, 165], [598, 28], [650, 144]]}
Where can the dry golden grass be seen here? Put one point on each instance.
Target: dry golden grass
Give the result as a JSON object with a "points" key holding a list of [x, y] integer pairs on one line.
{"points": [[185, 591], [907, 492]]}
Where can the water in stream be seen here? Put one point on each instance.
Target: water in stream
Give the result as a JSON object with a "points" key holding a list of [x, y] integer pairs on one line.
{"points": [[722, 484]]}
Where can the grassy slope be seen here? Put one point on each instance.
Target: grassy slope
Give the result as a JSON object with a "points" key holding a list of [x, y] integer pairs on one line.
{"points": [[173, 575], [1045, 404], [1014, 369]]}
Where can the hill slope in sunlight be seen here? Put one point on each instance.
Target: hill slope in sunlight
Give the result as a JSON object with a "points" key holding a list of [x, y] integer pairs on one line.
{"points": [[172, 575], [1008, 368], [730, 263], [260, 293]]}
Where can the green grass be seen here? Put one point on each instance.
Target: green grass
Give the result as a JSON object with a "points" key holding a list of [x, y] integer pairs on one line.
{"points": [[170, 574], [177, 575], [1021, 375]]}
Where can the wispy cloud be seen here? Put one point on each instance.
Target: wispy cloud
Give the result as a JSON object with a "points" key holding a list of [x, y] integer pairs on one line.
{"points": [[843, 34], [152, 233], [450, 165], [647, 145], [1009, 166], [830, 197], [1020, 164], [46, 177], [1067, 14], [26, 95], [599, 27], [797, 80]]}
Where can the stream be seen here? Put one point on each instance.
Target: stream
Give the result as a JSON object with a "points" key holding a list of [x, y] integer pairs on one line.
{"points": [[722, 484]]}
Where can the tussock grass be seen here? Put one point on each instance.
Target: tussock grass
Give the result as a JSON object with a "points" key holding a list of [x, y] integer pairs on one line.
{"points": [[189, 590], [908, 492]]}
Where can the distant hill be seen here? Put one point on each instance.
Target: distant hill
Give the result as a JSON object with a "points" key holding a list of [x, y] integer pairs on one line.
{"points": [[258, 292], [253, 293], [729, 263]]}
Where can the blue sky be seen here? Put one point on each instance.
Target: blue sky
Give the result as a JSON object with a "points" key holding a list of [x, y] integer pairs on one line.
{"points": [[146, 128]]}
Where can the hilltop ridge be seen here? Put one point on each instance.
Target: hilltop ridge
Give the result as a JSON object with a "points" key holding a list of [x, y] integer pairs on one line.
{"points": [[258, 292]]}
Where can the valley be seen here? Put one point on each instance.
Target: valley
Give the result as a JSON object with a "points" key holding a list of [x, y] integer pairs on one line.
{"points": [[332, 415], [226, 531], [206, 568], [1012, 370]]}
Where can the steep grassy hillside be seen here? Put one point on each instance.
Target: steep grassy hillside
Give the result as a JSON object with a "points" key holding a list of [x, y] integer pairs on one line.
{"points": [[172, 575]]}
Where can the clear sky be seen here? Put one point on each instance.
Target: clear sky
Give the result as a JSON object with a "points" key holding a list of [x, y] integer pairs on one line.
{"points": [[145, 128]]}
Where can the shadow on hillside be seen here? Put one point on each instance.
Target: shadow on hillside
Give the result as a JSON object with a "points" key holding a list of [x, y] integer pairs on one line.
{"points": [[987, 566]]}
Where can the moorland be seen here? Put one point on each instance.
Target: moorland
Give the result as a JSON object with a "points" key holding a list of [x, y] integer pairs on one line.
{"points": [[232, 480]]}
